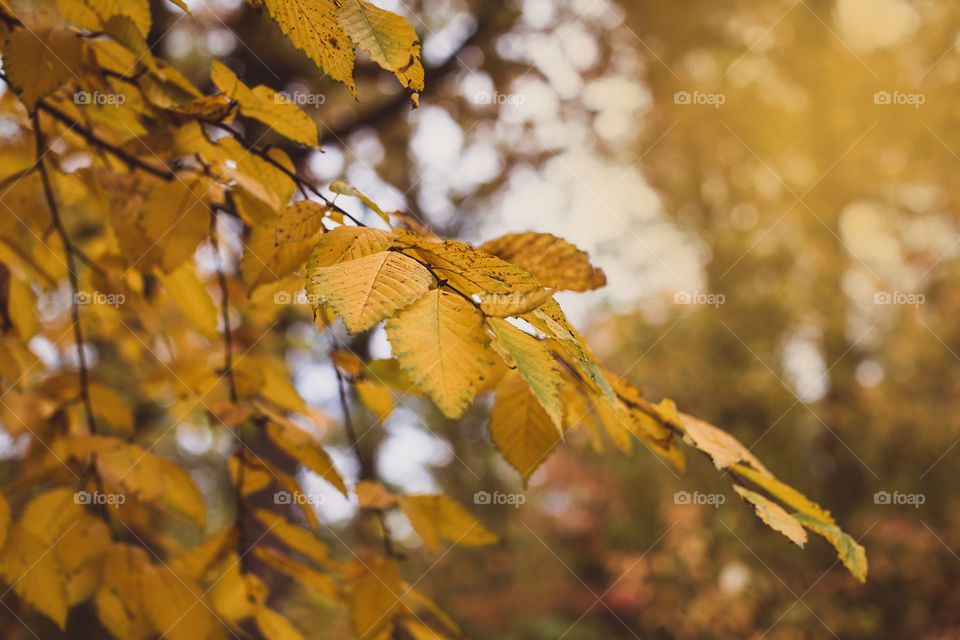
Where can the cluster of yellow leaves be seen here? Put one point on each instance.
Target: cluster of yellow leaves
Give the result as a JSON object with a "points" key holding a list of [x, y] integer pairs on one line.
{"points": [[464, 320]]}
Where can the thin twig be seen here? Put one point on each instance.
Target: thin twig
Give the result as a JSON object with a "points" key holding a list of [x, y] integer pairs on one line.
{"points": [[366, 468], [70, 252]]}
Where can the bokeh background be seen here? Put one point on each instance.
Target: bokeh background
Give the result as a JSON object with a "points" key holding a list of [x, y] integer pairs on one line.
{"points": [[771, 189]]}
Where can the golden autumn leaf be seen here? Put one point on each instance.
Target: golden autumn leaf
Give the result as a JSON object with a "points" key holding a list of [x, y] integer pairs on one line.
{"points": [[175, 217], [520, 427], [723, 449], [301, 446], [774, 515], [377, 398], [192, 298], [850, 552], [439, 517], [441, 345], [366, 290], [274, 626], [32, 570], [373, 593], [347, 243], [389, 39], [122, 600], [300, 221], [38, 62], [535, 363], [373, 495], [553, 261], [296, 537], [266, 105], [298, 571], [177, 609], [313, 28]]}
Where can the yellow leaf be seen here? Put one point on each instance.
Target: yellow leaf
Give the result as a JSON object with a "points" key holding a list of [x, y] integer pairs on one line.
{"points": [[38, 62], [4, 520], [502, 305], [31, 569], [175, 217], [254, 478], [297, 571], [196, 561], [774, 516], [301, 446], [553, 261], [347, 364], [297, 538], [177, 608], [265, 261], [421, 631], [49, 515], [850, 552], [122, 600], [374, 594], [785, 493], [266, 105], [536, 364], [520, 427], [341, 187], [192, 298], [313, 28], [441, 344], [470, 270], [110, 406], [80, 553], [138, 11], [144, 477], [235, 594], [373, 495], [366, 290], [390, 40], [724, 449], [300, 221], [274, 626], [347, 243], [439, 517], [377, 397]]}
